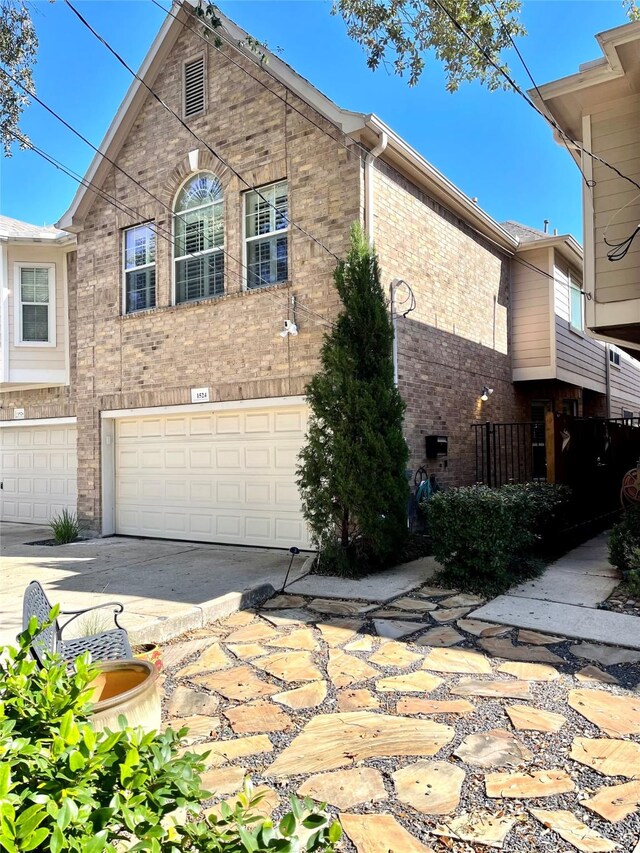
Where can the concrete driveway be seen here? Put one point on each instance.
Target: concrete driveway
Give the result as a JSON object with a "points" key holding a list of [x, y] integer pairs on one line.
{"points": [[167, 587]]}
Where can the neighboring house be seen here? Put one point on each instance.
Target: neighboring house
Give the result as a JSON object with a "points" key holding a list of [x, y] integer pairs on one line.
{"points": [[599, 109], [189, 388], [37, 465]]}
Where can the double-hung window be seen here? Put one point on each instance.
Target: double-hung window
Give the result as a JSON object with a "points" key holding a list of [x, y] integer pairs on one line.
{"points": [[139, 268], [35, 319], [199, 239], [576, 311], [266, 235]]}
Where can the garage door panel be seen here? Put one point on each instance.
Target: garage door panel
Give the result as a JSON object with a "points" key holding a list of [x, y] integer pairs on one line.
{"points": [[38, 465], [237, 482]]}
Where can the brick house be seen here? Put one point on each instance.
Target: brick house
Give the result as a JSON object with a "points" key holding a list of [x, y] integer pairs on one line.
{"points": [[185, 385]]}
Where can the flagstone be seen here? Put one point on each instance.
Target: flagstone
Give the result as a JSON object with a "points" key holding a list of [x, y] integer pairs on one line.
{"points": [[527, 718], [462, 599], [495, 748], [175, 653], [344, 669], [331, 741], [339, 607], [530, 671], [393, 629], [288, 618], [504, 648], [498, 689], [211, 659], [457, 660], [440, 637], [539, 783], [363, 643], [219, 782], [222, 751], [614, 715], [482, 629], [608, 756], [356, 700], [436, 591], [593, 673], [431, 787], [240, 683], [413, 705], [256, 633], [605, 655], [396, 654], [199, 725], [479, 827], [290, 666], [450, 613], [336, 633], [615, 802], [258, 717], [345, 788], [410, 682], [406, 603], [380, 833], [265, 808], [185, 701], [574, 831], [308, 696], [301, 638], [535, 638], [283, 601], [238, 619], [247, 651], [393, 613]]}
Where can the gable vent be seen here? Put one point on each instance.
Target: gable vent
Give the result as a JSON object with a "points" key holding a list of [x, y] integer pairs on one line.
{"points": [[194, 87]]}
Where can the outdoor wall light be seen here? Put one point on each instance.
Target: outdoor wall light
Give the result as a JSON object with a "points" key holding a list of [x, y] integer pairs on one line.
{"points": [[486, 393]]}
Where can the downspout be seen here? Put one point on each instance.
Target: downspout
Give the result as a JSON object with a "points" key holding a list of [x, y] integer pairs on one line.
{"points": [[394, 323], [368, 183], [607, 373]]}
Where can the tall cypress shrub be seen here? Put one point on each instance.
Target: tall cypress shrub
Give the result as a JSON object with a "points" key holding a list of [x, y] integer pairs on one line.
{"points": [[352, 470]]}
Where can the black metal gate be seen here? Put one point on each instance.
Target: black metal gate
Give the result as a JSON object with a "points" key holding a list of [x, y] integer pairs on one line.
{"points": [[510, 452]]}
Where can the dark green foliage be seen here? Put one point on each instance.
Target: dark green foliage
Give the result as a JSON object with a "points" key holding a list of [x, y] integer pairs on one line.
{"points": [[487, 539], [64, 787], [352, 470], [624, 541]]}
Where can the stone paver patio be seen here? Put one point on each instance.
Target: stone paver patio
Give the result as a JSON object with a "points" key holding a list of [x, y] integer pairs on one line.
{"points": [[423, 730]]}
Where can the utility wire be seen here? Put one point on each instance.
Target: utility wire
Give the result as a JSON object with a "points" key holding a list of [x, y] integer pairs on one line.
{"points": [[122, 207], [209, 148]]}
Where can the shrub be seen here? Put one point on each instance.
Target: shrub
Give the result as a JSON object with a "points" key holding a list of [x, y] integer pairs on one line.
{"points": [[624, 541], [486, 539], [64, 787], [65, 527]]}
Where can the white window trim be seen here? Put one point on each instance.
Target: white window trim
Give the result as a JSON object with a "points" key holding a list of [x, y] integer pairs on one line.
{"points": [[221, 248], [574, 286], [205, 81], [152, 225], [246, 240], [17, 307], [613, 351]]}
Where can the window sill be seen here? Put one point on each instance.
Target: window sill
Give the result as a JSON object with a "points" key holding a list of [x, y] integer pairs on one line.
{"points": [[614, 365], [579, 333], [209, 300]]}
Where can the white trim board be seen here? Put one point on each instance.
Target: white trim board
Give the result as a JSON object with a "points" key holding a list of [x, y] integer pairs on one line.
{"points": [[31, 422], [187, 408]]}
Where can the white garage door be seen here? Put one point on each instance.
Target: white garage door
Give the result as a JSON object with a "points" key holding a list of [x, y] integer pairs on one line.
{"points": [[222, 476], [38, 470]]}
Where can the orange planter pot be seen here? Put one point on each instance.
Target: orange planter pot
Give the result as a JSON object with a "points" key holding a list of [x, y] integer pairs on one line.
{"points": [[152, 653]]}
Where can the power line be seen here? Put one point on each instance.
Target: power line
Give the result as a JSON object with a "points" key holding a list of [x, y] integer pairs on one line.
{"points": [[209, 148], [122, 207]]}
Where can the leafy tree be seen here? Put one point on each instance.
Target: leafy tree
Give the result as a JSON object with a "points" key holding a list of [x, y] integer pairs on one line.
{"points": [[352, 471], [18, 47]]}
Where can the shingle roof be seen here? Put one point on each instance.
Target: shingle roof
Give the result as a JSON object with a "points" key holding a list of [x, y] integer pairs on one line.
{"points": [[523, 232], [15, 229]]}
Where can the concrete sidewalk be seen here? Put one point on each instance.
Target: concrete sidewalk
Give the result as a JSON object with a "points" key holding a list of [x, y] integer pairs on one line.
{"points": [[564, 600], [166, 587]]}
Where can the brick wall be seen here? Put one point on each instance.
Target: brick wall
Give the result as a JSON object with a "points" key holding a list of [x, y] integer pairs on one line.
{"points": [[230, 344]]}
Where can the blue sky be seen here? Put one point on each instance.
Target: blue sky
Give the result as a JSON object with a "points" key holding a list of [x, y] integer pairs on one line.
{"points": [[491, 144]]}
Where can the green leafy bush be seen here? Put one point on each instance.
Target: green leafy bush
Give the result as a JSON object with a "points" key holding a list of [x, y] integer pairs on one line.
{"points": [[65, 527], [624, 542], [486, 539], [64, 787]]}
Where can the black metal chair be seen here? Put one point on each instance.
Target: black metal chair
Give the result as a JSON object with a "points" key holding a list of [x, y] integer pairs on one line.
{"points": [[107, 645]]}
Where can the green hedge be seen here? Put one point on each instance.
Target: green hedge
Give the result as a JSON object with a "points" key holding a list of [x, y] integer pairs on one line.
{"points": [[487, 539], [624, 542]]}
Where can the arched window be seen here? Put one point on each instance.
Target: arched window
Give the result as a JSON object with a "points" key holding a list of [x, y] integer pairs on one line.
{"points": [[199, 239]]}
